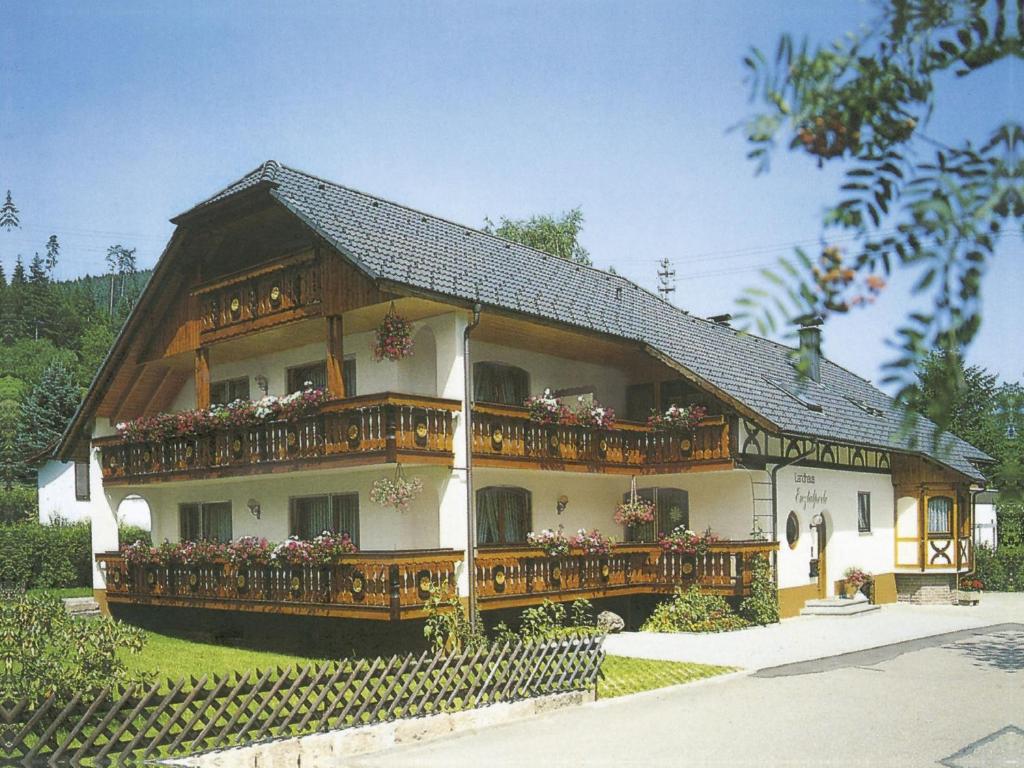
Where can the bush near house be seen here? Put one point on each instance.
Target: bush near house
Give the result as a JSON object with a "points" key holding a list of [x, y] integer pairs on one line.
{"points": [[34, 555], [18, 503], [1000, 570], [691, 610]]}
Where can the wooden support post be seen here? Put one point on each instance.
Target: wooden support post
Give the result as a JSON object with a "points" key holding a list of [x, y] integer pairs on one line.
{"points": [[394, 593], [335, 357], [202, 377]]}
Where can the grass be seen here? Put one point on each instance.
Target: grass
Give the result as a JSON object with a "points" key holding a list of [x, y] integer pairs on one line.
{"points": [[174, 657], [63, 592], [624, 675]]}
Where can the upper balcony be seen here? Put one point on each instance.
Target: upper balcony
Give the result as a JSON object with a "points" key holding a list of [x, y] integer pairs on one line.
{"points": [[373, 429]]}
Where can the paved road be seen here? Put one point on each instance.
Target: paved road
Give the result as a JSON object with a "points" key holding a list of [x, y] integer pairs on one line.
{"points": [[955, 700]]}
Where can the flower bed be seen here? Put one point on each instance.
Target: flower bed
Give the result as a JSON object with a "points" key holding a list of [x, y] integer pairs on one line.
{"points": [[239, 414]]}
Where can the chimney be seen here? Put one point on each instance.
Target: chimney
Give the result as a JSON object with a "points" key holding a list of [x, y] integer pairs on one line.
{"points": [[810, 346]]}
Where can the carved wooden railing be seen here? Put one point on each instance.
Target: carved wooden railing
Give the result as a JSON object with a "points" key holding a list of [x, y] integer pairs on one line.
{"points": [[513, 576], [279, 291], [369, 585], [506, 434], [367, 429]]}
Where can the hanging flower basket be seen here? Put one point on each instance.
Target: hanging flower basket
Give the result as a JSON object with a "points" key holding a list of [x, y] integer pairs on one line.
{"points": [[635, 512], [398, 493], [393, 340]]}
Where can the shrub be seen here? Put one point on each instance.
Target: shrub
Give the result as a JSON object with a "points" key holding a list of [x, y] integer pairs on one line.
{"points": [[129, 534], [549, 621], [34, 555], [48, 653], [1000, 570], [693, 611], [762, 607], [19, 503], [447, 626]]}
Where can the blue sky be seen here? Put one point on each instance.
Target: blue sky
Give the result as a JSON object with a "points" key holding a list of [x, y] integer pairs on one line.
{"points": [[116, 116]]}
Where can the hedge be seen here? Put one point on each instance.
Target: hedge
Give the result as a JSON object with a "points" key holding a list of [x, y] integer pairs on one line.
{"points": [[1000, 570], [34, 555]]}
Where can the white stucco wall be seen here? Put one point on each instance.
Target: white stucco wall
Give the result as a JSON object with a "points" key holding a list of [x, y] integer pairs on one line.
{"points": [[985, 531], [833, 494], [57, 500]]}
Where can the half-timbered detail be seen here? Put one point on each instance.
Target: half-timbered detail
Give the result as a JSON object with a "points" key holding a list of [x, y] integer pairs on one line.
{"points": [[573, 391]]}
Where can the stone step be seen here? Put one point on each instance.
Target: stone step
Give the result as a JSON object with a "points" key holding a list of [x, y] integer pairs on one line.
{"points": [[837, 606], [81, 606]]}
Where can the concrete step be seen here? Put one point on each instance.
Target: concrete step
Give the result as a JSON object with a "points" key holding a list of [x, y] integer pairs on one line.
{"points": [[81, 606], [837, 606]]}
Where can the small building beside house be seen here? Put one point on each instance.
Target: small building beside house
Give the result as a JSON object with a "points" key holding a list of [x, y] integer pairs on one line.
{"points": [[279, 287]]}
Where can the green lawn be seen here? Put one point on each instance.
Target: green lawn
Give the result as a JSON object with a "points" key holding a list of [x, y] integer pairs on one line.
{"points": [[165, 656], [63, 592], [624, 675]]}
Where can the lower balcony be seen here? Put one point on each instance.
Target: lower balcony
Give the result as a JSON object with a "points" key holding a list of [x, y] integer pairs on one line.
{"points": [[392, 586]]}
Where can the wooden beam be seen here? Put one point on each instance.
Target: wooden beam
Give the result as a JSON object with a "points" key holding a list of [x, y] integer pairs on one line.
{"points": [[335, 356], [203, 377]]}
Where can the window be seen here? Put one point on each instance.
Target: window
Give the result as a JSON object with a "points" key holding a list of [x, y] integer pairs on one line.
{"points": [[205, 522], [502, 515], [501, 384], [639, 401], [316, 375], [672, 509], [82, 480], [864, 512], [310, 516], [940, 516], [229, 390], [792, 530]]}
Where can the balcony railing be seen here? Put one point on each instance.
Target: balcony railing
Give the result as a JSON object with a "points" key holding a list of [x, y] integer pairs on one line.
{"points": [[367, 585], [505, 435], [359, 430], [396, 585], [508, 577]]}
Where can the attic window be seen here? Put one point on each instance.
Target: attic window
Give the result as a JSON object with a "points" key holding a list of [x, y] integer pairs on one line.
{"points": [[868, 409], [802, 398]]}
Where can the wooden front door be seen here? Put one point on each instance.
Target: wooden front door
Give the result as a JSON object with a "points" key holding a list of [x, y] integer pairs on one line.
{"points": [[822, 564]]}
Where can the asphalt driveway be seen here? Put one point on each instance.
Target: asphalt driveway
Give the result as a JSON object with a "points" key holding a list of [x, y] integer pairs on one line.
{"points": [[955, 700]]}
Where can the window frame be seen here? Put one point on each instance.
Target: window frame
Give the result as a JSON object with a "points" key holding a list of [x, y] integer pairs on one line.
{"points": [[861, 497], [497, 366], [527, 523], [794, 518], [948, 533], [295, 528], [202, 520], [83, 468], [291, 370], [229, 385]]}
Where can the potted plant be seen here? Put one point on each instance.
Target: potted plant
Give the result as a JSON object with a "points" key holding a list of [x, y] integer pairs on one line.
{"points": [[853, 580], [398, 493], [591, 542], [590, 413], [554, 543], [393, 340], [969, 590], [677, 420], [546, 409]]}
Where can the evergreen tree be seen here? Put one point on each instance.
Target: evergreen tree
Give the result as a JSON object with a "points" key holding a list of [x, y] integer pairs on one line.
{"points": [[18, 276], [37, 304], [3, 277], [9, 214], [52, 252], [47, 409]]}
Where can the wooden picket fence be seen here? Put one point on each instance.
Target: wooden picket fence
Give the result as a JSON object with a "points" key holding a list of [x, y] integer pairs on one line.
{"points": [[177, 718]]}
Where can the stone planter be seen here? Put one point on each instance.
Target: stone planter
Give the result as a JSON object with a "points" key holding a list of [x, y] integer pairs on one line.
{"points": [[964, 597]]}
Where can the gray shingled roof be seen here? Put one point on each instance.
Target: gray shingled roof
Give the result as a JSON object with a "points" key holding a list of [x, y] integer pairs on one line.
{"points": [[397, 243]]}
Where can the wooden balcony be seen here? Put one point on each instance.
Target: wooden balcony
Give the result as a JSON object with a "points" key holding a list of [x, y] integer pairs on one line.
{"points": [[505, 436], [395, 585], [371, 429], [385, 586], [282, 290], [511, 577]]}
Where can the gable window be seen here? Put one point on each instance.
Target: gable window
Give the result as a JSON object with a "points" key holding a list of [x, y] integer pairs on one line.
{"points": [[309, 516], [864, 512], [229, 390], [205, 522], [82, 480], [672, 509], [315, 374], [502, 515], [792, 530], [940, 516], [499, 383]]}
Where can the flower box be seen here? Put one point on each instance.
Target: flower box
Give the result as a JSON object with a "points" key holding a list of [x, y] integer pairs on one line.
{"points": [[965, 597]]}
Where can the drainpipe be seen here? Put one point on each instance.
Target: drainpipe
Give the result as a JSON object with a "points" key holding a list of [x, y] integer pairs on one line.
{"points": [[467, 421], [775, 501]]}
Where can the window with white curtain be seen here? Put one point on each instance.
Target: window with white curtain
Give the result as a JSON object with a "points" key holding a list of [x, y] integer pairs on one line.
{"points": [[940, 516], [310, 516], [502, 515], [210, 521]]}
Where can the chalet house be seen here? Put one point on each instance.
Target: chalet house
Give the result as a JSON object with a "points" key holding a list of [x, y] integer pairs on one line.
{"points": [[280, 283]]}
